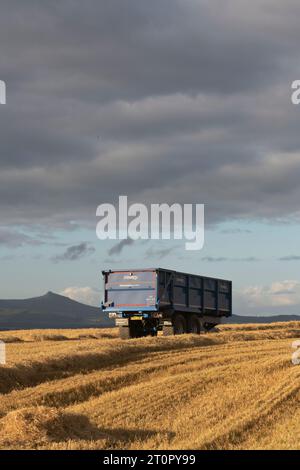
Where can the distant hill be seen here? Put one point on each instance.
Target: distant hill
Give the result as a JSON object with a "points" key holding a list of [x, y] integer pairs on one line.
{"points": [[56, 311], [265, 319], [50, 311]]}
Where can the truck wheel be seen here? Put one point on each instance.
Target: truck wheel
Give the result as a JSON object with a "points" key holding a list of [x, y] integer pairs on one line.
{"points": [[168, 330], [209, 326], [131, 331], [194, 325], [180, 326], [124, 332], [153, 333], [136, 329]]}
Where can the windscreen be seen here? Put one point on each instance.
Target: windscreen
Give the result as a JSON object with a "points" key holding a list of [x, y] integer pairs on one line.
{"points": [[131, 289]]}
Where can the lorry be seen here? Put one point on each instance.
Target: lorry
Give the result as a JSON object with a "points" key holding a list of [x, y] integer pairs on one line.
{"points": [[145, 301]]}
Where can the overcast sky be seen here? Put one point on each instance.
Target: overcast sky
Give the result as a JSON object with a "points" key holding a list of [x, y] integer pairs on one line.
{"points": [[163, 101]]}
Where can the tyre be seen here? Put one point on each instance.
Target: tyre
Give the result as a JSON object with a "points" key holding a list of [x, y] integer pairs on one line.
{"points": [[209, 326], [180, 326], [194, 325], [136, 329], [151, 328], [153, 333], [124, 332]]}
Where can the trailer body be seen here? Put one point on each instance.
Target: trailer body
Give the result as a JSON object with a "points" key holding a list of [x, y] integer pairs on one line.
{"points": [[143, 301]]}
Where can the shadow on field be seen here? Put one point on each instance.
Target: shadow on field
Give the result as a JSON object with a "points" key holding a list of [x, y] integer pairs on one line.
{"points": [[32, 374], [126, 436], [73, 426], [119, 353], [36, 427], [76, 426]]}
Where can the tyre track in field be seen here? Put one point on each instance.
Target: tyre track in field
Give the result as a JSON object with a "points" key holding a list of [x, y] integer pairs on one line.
{"points": [[114, 355], [23, 376], [185, 382], [275, 402], [140, 393], [179, 390], [79, 388]]}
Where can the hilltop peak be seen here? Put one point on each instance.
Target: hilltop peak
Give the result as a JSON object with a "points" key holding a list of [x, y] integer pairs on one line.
{"points": [[50, 293], [50, 310]]}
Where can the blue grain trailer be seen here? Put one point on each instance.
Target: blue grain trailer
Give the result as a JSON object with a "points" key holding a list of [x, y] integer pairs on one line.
{"points": [[143, 301]]}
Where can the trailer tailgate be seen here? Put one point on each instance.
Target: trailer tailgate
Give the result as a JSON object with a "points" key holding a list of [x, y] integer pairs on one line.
{"points": [[130, 289]]}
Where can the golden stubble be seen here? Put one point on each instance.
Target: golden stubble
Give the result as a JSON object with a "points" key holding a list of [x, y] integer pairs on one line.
{"points": [[87, 389]]}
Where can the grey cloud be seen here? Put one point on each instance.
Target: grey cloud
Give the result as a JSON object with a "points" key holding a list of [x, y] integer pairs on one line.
{"points": [[74, 252], [290, 258], [118, 247], [235, 231], [15, 239], [168, 102], [216, 259], [129, 49], [160, 252]]}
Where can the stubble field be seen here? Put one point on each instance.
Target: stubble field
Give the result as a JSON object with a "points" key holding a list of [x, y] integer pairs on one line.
{"points": [[86, 389]]}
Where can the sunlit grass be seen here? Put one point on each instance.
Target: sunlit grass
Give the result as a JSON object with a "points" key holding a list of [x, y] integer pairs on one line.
{"points": [[87, 389]]}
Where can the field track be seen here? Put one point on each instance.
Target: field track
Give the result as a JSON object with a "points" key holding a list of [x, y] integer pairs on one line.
{"points": [[86, 389]]}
